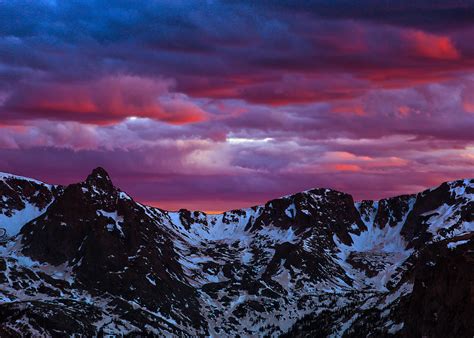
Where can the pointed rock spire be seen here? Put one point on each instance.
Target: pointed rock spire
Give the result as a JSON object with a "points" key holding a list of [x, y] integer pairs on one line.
{"points": [[100, 178]]}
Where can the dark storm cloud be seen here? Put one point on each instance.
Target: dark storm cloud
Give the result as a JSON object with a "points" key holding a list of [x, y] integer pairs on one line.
{"points": [[425, 14]]}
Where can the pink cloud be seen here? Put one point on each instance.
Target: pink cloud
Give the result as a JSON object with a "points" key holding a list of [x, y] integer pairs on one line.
{"points": [[106, 100], [345, 167], [432, 46], [467, 96]]}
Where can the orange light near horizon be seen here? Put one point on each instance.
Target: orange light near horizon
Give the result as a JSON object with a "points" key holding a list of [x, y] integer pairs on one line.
{"points": [[204, 206], [346, 167]]}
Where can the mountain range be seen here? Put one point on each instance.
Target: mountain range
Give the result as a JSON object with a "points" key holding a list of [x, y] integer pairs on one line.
{"points": [[88, 259]]}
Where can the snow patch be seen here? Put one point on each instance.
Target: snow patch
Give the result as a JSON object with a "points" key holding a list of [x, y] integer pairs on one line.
{"points": [[19, 218], [116, 223], [454, 245], [291, 211]]}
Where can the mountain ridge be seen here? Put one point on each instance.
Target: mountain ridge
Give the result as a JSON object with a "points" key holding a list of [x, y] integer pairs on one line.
{"points": [[4, 175], [285, 266]]}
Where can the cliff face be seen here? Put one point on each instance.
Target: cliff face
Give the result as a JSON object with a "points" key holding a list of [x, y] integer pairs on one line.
{"points": [[91, 260], [442, 301]]}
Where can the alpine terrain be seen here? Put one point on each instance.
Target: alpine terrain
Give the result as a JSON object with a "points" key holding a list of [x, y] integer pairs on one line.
{"points": [[88, 259]]}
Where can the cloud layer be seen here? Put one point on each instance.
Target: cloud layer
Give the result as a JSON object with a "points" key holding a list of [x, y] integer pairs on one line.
{"points": [[221, 104]]}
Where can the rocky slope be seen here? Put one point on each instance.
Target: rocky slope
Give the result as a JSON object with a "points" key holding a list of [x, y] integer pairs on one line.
{"points": [[88, 259]]}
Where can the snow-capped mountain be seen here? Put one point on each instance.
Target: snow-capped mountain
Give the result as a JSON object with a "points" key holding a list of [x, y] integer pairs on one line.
{"points": [[88, 259]]}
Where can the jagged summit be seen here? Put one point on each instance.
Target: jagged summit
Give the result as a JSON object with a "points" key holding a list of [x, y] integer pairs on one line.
{"points": [[99, 178], [98, 173]]}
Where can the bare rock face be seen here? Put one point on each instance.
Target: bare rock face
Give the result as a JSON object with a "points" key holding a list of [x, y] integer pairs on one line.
{"points": [[442, 302], [304, 211], [436, 202], [87, 259]]}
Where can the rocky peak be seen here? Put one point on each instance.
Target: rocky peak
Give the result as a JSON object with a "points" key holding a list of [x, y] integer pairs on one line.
{"points": [[100, 178]]}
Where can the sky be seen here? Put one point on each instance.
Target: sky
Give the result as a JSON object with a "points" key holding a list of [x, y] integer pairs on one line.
{"points": [[215, 105]]}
